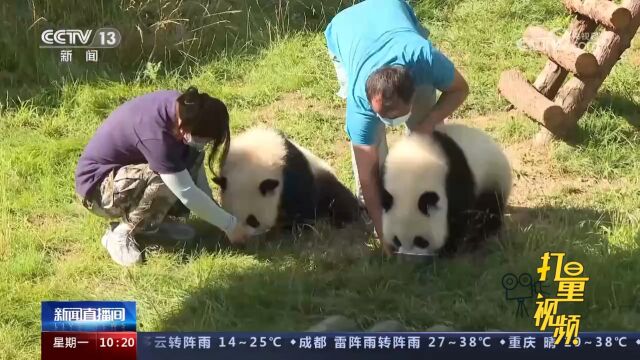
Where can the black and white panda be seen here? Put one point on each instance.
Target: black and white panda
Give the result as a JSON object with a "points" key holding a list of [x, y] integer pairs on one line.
{"points": [[444, 190], [267, 180]]}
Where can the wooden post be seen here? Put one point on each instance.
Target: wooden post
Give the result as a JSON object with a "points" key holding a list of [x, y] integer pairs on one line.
{"points": [[605, 12], [514, 87], [563, 53], [552, 76], [576, 95]]}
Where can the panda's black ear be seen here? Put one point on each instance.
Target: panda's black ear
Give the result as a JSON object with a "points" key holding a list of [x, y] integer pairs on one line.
{"points": [[221, 181], [267, 186], [428, 200], [386, 199]]}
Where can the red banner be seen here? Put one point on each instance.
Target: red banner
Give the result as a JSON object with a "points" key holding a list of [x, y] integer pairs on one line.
{"points": [[68, 345]]}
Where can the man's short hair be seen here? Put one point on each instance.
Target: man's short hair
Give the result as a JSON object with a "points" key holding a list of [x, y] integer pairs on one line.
{"points": [[391, 83]]}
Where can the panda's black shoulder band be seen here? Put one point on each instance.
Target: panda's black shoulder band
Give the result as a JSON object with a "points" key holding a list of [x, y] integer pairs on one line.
{"points": [[460, 187]]}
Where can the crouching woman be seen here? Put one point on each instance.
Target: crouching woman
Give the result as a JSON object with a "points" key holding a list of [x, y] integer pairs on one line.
{"points": [[146, 155]]}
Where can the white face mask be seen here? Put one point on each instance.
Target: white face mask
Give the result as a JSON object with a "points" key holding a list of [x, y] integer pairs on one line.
{"points": [[397, 121], [195, 142]]}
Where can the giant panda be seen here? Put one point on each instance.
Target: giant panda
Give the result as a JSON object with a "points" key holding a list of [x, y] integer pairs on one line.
{"points": [[445, 190], [269, 181]]}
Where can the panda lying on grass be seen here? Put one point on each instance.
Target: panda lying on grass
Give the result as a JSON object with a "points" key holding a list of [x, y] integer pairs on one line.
{"points": [[444, 191], [438, 192], [269, 181]]}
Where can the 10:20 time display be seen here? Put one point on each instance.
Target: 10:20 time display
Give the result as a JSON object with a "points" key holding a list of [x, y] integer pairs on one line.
{"points": [[121, 342]]}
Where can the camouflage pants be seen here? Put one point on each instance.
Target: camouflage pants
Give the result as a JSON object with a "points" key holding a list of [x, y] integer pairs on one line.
{"points": [[137, 195]]}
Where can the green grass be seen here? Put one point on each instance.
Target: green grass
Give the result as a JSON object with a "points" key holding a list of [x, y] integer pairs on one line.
{"points": [[49, 245]]}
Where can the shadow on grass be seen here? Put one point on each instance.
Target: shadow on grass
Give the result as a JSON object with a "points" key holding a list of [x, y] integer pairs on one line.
{"points": [[621, 106], [280, 242], [293, 285], [206, 239], [607, 129], [562, 229]]}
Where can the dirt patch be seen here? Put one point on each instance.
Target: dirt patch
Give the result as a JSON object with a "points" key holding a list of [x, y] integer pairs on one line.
{"points": [[45, 221], [341, 148], [634, 57], [634, 51], [536, 176], [482, 122], [294, 102]]}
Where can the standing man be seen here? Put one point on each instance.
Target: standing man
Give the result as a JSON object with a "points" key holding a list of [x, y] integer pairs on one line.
{"points": [[389, 73]]}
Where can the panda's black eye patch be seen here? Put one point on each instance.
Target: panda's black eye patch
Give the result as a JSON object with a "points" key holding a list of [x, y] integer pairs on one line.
{"points": [[386, 199], [428, 200], [252, 221], [396, 242], [267, 186], [420, 242]]}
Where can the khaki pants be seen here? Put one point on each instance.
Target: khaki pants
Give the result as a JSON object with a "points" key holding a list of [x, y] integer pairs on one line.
{"points": [[135, 194]]}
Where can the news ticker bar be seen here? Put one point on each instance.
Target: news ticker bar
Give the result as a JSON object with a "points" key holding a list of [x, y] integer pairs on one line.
{"points": [[107, 330], [336, 346]]}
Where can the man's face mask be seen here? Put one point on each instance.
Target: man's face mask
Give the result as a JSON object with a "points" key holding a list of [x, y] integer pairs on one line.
{"points": [[397, 121], [196, 142]]}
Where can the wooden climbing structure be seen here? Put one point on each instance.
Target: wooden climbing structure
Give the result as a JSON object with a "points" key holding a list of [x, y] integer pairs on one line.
{"points": [[554, 103]]}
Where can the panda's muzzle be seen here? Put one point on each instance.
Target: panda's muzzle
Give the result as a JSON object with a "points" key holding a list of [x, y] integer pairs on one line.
{"points": [[418, 242]]}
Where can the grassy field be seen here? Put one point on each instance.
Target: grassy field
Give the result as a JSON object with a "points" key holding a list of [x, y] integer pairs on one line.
{"points": [[582, 199]]}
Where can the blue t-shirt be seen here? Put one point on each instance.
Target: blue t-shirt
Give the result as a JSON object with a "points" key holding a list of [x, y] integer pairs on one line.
{"points": [[375, 33], [140, 131]]}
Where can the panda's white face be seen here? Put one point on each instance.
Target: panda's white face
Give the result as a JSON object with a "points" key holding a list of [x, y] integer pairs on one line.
{"points": [[414, 201], [253, 198], [251, 179]]}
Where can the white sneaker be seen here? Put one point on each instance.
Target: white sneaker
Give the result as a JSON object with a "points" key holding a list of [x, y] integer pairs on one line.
{"points": [[122, 247]]}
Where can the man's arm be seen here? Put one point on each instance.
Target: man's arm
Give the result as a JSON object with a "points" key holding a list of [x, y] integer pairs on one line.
{"points": [[367, 163], [450, 100]]}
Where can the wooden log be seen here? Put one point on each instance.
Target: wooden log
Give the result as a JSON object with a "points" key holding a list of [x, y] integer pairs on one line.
{"points": [[514, 87], [605, 12], [576, 94], [552, 75], [563, 53]]}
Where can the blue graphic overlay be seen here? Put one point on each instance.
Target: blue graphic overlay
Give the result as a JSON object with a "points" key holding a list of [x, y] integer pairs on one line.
{"points": [[88, 316], [371, 346]]}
